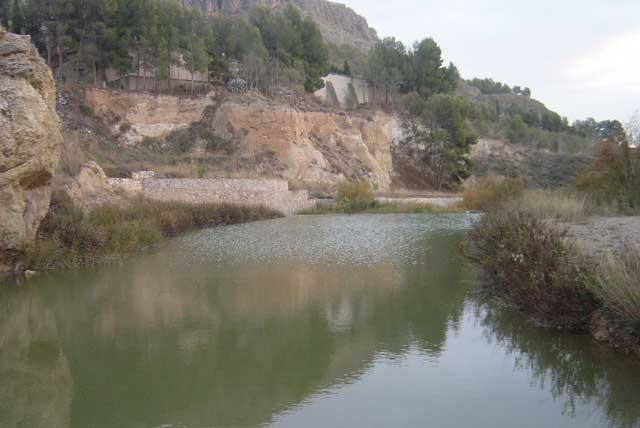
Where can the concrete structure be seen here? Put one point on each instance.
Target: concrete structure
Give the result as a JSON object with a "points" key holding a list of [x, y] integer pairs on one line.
{"points": [[144, 77], [274, 194], [345, 91], [435, 202]]}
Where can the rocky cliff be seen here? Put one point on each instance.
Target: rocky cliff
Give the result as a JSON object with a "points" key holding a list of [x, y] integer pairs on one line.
{"points": [[249, 136], [29, 142], [339, 24]]}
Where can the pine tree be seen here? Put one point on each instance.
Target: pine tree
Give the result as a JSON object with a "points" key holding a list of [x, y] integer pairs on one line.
{"points": [[17, 18]]}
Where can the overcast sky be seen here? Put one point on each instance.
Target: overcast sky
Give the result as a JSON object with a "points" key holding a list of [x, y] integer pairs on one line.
{"points": [[580, 57]]}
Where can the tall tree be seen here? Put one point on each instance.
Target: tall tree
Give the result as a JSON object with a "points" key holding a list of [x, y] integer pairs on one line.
{"points": [[5, 13], [439, 124], [386, 62], [18, 24], [429, 76]]}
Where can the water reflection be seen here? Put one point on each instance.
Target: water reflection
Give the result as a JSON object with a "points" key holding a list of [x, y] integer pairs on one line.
{"points": [[248, 325], [36, 387], [572, 368]]}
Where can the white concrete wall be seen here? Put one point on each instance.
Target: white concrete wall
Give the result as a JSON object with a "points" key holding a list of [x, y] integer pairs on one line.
{"points": [[343, 86]]}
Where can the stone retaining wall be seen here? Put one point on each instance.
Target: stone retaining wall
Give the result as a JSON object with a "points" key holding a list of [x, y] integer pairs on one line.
{"points": [[274, 194]]}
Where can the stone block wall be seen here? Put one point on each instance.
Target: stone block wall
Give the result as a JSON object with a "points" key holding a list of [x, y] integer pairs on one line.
{"points": [[126, 184], [274, 194]]}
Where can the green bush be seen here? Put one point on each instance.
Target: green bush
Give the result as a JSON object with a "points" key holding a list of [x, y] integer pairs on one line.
{"points": [[355, 197], [492, 190], [86, 110], [528, 264], [70, 238]]}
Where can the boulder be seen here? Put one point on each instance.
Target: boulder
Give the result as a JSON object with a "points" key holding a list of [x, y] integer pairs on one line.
{"points": [[91, 189], [29, 143]]}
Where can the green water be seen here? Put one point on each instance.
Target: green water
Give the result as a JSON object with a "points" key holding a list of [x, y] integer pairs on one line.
{"points": [[360, 321]]}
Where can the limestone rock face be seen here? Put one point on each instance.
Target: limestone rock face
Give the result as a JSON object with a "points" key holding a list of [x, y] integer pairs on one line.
{"points": [[133, 117], [316, 147], [91, 189], [338, 23], [29, 142]]}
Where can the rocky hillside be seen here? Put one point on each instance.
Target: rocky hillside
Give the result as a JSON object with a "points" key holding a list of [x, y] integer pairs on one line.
{"points": [[339, 24], [30, 140], [539, 168], [503, 103], [220, 135]]}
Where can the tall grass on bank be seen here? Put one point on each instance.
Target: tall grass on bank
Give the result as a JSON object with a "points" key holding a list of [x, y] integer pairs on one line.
{"points": [[528, 264], [355, 198], [618, 286], [490, 191], [556, 205], [70, 238]]}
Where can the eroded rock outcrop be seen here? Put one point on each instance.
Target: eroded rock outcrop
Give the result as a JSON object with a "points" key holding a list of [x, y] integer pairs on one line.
{"points": [[29, 143], [132, 117], [315, 147], [91, 189]]}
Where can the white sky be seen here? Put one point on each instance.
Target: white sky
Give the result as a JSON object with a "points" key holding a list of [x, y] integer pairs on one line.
{"points": [[580, 57]]}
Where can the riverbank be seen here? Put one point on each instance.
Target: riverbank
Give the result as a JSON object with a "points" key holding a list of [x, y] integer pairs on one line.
{"points": [[581, 276], [358, 198], [387, 207], [70, 238]]}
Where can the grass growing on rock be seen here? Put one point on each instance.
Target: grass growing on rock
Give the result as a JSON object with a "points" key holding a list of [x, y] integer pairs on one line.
{"points": [[69, 238]]}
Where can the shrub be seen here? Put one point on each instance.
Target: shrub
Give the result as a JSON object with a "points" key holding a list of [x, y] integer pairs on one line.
{"points": [[86, 110], [530, 265], [355, 197], [490, 191], [69, 238], [618, 286]]}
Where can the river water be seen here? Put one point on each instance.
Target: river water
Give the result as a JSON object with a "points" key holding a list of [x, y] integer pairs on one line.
{"points": [[328, 321]]}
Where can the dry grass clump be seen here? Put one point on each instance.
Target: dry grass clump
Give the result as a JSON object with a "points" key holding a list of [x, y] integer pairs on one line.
{"points": [[618, 286], [355, 197], [557, 205], [492, 190], [70, 238], [387, 208], [72, 156]]}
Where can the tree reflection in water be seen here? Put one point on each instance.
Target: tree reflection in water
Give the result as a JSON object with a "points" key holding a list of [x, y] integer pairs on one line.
{"points": [[572, 367], [238, 326]]}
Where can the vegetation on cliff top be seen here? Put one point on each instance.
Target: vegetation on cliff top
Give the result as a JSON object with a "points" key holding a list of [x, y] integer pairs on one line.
{"points": [[82, 40]]}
